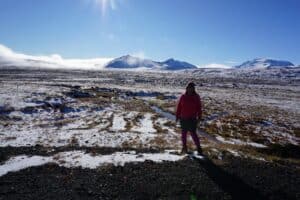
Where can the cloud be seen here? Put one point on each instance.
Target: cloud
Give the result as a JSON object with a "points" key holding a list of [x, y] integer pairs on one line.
{"points": [[231, 62], [215, 65], [4, 51], [10, 58], [139, 54]]}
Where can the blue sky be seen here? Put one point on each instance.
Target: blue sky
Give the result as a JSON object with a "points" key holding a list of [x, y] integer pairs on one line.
{"points": [[198, 31]]}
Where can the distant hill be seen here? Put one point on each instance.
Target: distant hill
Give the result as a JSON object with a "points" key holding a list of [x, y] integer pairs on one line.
{"points": [[172, 64], [131, 62], [262, 63]]}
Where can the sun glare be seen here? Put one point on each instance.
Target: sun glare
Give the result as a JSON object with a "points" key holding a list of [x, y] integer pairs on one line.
{"points": [[106, 5]]}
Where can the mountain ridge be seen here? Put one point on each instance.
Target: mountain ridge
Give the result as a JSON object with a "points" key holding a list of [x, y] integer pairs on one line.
{"points": [[131, 62], [261, 63]]}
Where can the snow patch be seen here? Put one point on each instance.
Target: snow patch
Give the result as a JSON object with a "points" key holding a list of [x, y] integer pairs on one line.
{"points": [[22, 162], [118, 123], [240, 142], [146, 125], [81, 159]]}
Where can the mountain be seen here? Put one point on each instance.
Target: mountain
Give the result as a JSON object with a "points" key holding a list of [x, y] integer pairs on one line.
{"points": [[131, 62], [172, 64], [263, 63]]}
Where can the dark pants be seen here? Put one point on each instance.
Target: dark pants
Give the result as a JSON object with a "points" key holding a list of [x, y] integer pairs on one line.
{"points": [[189, 125]]}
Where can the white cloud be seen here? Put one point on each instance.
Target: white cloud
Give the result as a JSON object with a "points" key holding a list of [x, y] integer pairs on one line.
{"points": [[132, 61], [10, 58], [215, 65], [139, 54], [4, 51], [231, 62]]}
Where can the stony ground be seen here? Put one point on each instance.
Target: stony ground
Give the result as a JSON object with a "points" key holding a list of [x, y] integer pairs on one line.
{"points": [[236, 178], [112, 135]]}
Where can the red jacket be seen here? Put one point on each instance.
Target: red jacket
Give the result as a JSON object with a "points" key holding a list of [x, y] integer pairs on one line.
{"points": [[189, 106]]}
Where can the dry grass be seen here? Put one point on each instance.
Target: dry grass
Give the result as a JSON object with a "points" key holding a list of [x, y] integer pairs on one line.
{"points": [[136, 120], [136, 105], [56, 157], [159, 142], [170, 124], [128, 125], [73, 141], [159, 129], [160, 97], [132, 143], [242, 127], [108, 120], [296, 132], [268, 154], [106, 95], [63, 122], [125, 145], [10, 138]]}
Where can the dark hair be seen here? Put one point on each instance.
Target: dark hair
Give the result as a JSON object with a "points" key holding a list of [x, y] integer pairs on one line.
{"points": [[191, 84]]}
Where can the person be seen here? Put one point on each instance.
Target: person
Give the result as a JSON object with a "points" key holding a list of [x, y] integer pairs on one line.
{"points": [[189, 113]]}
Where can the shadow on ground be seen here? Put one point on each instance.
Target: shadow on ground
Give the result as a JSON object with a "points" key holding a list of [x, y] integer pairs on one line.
{"points": [[229, 183]]}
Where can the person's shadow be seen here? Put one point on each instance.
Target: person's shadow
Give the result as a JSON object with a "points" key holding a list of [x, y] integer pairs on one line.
{"points": [[229, 183]]}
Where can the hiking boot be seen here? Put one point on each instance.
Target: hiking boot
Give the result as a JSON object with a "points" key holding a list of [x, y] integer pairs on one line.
{"points": [[184, 150], [199, 150]]}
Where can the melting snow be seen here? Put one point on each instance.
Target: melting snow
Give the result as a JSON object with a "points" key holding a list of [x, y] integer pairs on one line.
{"points": [[81, 159], [146, 125], [22, 162], [239, 142], [118, 123]]}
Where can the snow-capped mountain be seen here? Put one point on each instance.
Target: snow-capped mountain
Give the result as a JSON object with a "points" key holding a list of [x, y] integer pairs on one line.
{"points": [[130, 62], [263, 63], [172, 64]]}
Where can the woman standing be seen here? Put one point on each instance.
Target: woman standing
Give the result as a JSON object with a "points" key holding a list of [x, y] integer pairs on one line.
{"points": [[189, 111]]}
